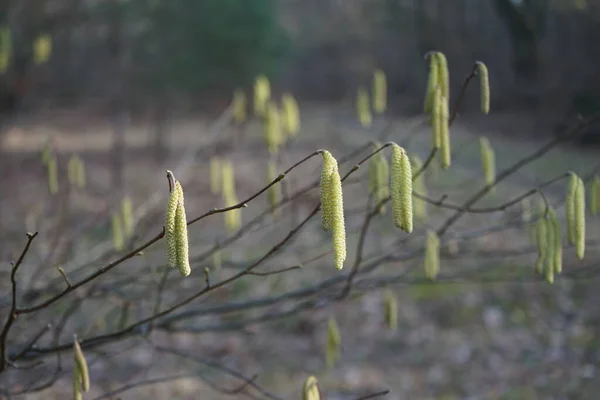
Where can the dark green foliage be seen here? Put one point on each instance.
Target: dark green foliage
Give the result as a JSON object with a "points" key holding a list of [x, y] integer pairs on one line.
{"points": [[211, 44]]}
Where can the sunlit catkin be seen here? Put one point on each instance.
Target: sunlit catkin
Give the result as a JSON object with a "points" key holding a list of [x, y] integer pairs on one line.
{"points": [[435, 118], [273, 135], [274, 193], [215, 175], [570, 207], [127, 214], [80, 364], [332, 207], [240, 105], [117, 232], [42, 48], [488, 161], [432, 255], [432, 84], [484, 86], [363, 108], [379, 91], [579, 212], [391, 310], [310, 390], [290, 114], [181, 234], [401, 189], [52, 174], [443, 74], [170, 217], [419, 205], [76, 172], [595, 195], [444, 133], [262, 93]]}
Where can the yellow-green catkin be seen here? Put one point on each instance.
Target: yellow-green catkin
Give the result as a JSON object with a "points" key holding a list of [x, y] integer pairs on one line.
{"points": [[401, 189], [595, 195], [127, 214], [262, 93], [432, 85], [484, 87], [233, 220], [557, 252], [334, 342], [215, 175], [379, 177], [52, 174], [432, 255], [379, 91], [444, 133], [443, 74], [541, 230], [332, 205], [42, 49], [240, 104], [391, 310], [435, 118], [419, 205], [117, 232], [181, 233], [274, 193], [5, 48], [46, 153], [550, 249], [80, 364], [170, 218], [290, 114], [310, 390], [76, 384], [488, 161], [273, 134], [570, 207], [363, 108], [579, 212]]}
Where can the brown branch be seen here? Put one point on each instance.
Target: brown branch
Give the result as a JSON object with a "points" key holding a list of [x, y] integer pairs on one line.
{"points": [[12, 314]]}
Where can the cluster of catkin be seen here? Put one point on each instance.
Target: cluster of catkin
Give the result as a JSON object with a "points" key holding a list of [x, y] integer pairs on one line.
{"points": [[81, 378], [176, 234], [378, 103]]}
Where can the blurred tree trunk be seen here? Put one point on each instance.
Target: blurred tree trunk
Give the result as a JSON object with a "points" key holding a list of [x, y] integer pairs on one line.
{"points": [[525, 23]]}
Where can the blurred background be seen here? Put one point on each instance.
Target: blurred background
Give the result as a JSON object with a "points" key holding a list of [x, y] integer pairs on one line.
{"points": [[135, 87]]}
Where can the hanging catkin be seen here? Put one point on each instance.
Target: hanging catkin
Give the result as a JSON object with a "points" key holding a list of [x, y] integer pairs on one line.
{"points": [[379, 91], [579, 211], [432, 255], [363, 108], [401, 189], [391, 310], [570, 207], [290, 114], [432, 84], [488, 161], [332, 207], [240, 105], [484, 87], [444, 133], [262, 93], [81, 375], [310, 390]]}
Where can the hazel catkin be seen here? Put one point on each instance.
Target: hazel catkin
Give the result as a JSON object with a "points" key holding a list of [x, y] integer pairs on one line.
{"points": [[401, 189]]}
